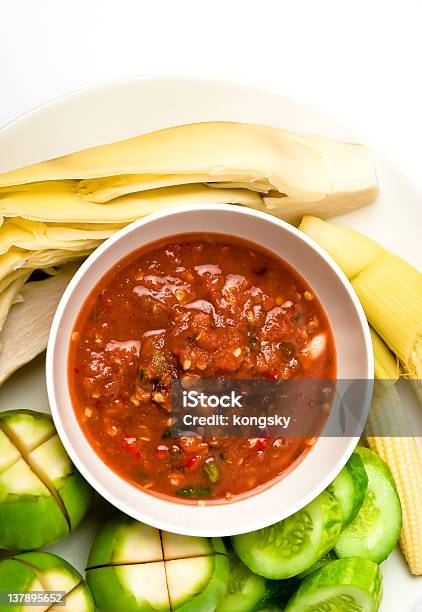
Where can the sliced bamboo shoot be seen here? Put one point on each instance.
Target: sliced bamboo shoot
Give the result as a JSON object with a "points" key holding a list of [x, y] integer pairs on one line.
{"points": [[59, 202], [292, 169], [27, 327], [11, 295]]}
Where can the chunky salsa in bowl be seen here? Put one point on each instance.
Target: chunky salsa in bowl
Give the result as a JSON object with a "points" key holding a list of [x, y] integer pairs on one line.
{"points": [[182, 309]]}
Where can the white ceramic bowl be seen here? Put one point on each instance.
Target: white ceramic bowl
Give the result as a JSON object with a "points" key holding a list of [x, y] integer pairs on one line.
{"points": [[354, 361]]}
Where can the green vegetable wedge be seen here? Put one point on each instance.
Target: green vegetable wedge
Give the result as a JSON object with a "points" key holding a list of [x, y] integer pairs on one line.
{"points": [[42, 496], [137, 568], [42, 572]]}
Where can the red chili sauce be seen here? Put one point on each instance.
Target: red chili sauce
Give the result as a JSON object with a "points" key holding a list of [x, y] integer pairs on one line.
{"points": [[195, 306]]}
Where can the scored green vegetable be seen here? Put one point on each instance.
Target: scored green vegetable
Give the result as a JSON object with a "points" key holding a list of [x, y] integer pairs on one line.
{"points": [[42, 496], [345, 585], [44, 572], [293, 545], [376, 529], [137, 568]]}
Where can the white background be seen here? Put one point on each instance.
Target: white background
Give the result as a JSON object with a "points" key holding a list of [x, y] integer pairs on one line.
{"points": [[358, 61]]}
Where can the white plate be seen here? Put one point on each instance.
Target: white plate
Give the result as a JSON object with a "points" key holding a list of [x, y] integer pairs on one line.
{"points": [[121, 109]]}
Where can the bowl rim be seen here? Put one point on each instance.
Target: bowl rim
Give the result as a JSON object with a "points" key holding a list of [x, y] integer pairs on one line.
{"points": [[209, 520]]}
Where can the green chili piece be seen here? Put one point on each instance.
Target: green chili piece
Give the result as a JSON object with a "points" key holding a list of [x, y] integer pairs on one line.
{"points": [[194, 492], [254, 344], [211, 470], [287, 348]]}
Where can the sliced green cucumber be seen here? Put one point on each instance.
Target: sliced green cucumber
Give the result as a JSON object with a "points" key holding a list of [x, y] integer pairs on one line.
{"points": [[376, 529], [345, 585], [245, 589], [329, 556], [294, 544], [277, 593], [349, 488]]}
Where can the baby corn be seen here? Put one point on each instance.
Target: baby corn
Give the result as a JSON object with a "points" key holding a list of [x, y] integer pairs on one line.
{"points": [[389, 288], [400, 451], [390, 291]]}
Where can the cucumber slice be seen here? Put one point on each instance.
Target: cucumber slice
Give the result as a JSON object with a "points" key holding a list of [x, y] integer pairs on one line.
{"points": [[277, 593], [349, 488], [198, 583], [330, 556], [245, 589], [295, 544], [344, 585], [376, 529]]}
